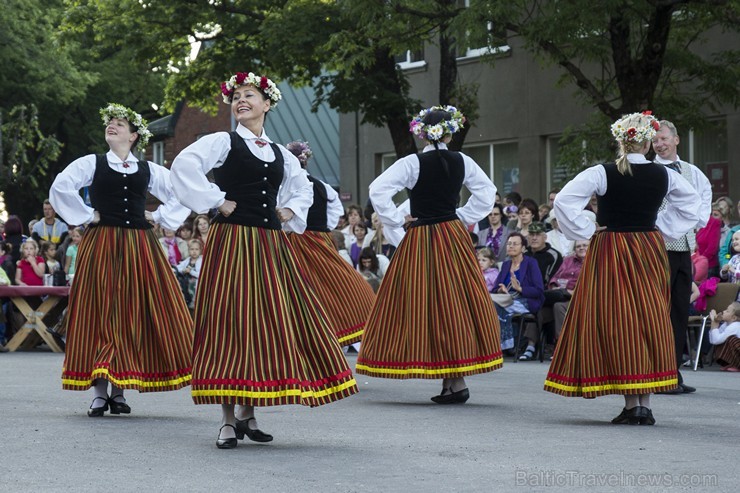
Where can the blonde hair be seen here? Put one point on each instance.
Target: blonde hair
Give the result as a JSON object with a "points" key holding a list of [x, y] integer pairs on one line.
{"points": [[486, 253], [30, 241], [631, 132], [736, 307]]}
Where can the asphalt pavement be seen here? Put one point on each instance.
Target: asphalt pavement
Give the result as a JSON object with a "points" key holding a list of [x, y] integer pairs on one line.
{"points": [[510, 436]]}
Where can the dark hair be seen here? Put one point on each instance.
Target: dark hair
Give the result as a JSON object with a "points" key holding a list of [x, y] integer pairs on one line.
{"points": [[555, 190], [513, 197], [369, 253], [532, 206], [353, 207], [6, 247], [525, 244], [13, 226], [45, 245], [432, 118], [500, 209], [359, 225]]}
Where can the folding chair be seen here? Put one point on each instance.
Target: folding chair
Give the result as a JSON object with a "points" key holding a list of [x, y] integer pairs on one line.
{"points": [[529, 318], [726, 293]]}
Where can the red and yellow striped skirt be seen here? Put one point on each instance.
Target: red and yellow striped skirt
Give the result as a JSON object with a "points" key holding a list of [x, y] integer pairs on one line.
{"points": [[127, 321], [617, 336], [728, 353], [261, 337], [433, 317], [342, 291]]}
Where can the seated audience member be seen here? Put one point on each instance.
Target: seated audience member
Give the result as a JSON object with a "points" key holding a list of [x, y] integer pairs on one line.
{"points": [[707, 246], [494, 234], [189, 270], [377, 240], [512, 198], [185, 232], [174, 247], [527, 214], [519, 288], [512, 214], [487, 264], [30, 268], [201, 227], [338, 238], [548, 259], [725, 335], [48, 253], [545, 210], [556, 238], [359, 231], [354, 217], [370, 268], [731, 270]]}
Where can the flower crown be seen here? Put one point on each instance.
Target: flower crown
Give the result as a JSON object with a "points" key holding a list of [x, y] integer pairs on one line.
{"points": [[114, 110], [301, 150], [636, 127], [440, 129], [249, 78]]}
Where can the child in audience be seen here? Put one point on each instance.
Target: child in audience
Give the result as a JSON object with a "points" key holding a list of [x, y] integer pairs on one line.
{"points": [[725, 334], [30, 268], [360, 231], [189, 271], [49, 252], [729, 271], [71, 254], [488, 267]]}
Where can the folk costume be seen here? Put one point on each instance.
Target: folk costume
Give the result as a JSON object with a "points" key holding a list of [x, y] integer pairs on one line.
{"points": [[617, 336], [433, 317], [342, 291], [127, 321]]}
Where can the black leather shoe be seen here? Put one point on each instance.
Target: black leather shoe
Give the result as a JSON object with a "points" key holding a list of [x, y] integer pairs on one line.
{"points": [[226, 442], [628, 416], [646, 417], [257, 435], [674, 391], [96, 412], [686, 389], [459, 397], [118, 407]]}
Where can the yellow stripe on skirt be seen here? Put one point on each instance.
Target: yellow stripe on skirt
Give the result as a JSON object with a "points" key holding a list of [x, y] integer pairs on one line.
{"points": [[617, 336], [127, 320], [433, 317], [261, 337], [342, 291]]}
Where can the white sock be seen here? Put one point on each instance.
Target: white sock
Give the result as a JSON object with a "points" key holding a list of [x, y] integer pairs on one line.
{"points": [[117, 393], [530, 349], [100, 392]]}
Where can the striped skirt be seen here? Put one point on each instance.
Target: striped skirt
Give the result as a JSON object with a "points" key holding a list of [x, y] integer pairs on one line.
{"points": [[261, 337], [433, 317], [345, 295], [728, 353], [617, 336], [126, 321]]}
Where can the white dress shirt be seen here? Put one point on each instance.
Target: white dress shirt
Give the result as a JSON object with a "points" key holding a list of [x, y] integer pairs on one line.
{"points": [[194, 190], [720, 334], [65, 197], [703, 188], [681, 214], [404, 173]]}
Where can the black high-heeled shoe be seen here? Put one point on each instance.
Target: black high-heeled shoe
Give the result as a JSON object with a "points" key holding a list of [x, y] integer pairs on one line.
{"points": [[226, 442], [118, 407], [96, 412], [459, 397], [256, 435], [629, 416]]}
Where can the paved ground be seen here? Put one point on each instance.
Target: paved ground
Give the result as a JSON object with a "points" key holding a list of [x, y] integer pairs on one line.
{"points": [[510, 436]]}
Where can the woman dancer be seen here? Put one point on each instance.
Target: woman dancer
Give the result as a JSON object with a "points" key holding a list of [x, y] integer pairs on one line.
{"points": [[333, 280], [261, 337], [617, 336], [433, 317], [127, 323]]}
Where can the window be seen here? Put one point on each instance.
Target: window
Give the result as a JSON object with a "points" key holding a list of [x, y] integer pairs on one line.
{"points": [[382, 163], [707, 146], [495, 42], [499, 161], [557, 173], [158, 153], [411, 59]]}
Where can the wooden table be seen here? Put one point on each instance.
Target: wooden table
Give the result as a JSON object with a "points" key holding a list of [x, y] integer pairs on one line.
{"points": [[35, 303]]}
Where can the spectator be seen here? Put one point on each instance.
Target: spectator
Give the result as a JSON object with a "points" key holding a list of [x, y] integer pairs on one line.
{"points": [[707, 248], [48, 253], [494, 234], [512, 198], [359, 231], [14, 236], [6, 259], [369, 267], [354, 216], [487, 263], [544, 211], [548, 259], [527, 214], [725, 334], [338, 238], [519, 288], [551, 197], [4, 281], [189, 270], [175, 247], [561, 287], [731, 270], [50, 228], [512, 214], [201, 226], [185, 232], [377, 240], [71, 253], [556, 238], [30, 269]]}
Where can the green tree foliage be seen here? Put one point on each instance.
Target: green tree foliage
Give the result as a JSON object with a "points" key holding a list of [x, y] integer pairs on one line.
{"points": [[622, 56]]}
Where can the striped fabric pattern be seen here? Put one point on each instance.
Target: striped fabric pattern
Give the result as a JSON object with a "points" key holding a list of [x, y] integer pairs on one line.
{"points": [[126, 320], [433, 317], [728, 353], [617, 336], [342, 291], [261, 338]]}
